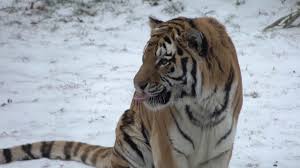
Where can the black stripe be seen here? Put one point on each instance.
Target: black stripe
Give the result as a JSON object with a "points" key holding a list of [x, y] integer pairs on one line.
{"points": [[163, 27], [179, 78], [154, 20], [86, 152], [105, 153], [145, 134], [211, 94], [181, 131], [191, 116], [27, 150], [67, 150], [128, 119], [77, 147], [169, 55], [133, 145], [208, 63], [198, 123], [184, 70], [176, 149], [225, 135], [191, 23], [163, 61], [46, 149], [178, 31], [227, 89], [164, 46], [153, 36], [179, 24], [194, 75], [179, 51], [202, 83], [173, 59], [179, 19], [216, 122], [167, 39], [7, 155], [96, 155], [118, 153], [204, 47], [183, 94], [219, 65], [166, 80], [172, 69], [214, 158]]}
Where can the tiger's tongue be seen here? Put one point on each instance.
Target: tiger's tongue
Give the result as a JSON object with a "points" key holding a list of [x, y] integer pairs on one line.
{"points": [[140, 96]]}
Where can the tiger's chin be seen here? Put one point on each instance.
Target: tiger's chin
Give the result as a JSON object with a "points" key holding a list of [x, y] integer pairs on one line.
{"points": [[156, 102]]}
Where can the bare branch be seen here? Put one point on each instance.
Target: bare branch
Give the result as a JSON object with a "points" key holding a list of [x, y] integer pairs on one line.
{"points": [[285, 21]]}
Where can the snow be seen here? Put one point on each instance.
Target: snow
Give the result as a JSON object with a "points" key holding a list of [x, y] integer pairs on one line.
{"points": [[66, 76]]}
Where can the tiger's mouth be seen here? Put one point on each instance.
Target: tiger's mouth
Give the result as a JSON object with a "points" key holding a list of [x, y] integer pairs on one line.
{"points": [[153, 100], [140, 97]]}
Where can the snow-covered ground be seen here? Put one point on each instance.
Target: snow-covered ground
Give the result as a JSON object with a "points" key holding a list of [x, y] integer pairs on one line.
{"points": [[67, 75]]}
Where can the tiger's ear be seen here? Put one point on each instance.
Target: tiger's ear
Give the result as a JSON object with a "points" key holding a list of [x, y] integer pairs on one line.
{"points": [[197, 41], [153, 22]]}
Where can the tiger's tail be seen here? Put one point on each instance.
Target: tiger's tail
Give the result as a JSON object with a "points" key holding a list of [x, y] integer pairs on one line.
{"points": [[64, 150]]}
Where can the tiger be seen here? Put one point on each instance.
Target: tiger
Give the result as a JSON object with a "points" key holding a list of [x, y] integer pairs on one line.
{"points": [[185, 106]]}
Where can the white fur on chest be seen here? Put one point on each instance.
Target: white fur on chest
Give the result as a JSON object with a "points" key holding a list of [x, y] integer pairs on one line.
{"points": [[213, 141], [207, 142], [201, 144]]}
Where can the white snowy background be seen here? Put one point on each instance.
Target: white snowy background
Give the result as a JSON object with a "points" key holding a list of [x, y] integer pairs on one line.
{"points": [[66, 72]]}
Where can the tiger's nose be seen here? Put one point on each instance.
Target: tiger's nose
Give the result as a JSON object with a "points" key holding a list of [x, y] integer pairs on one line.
{"points": [[140, 86]]}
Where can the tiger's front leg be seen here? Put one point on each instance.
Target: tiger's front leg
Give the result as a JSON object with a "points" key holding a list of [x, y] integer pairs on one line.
{"points": [[162, 154]]}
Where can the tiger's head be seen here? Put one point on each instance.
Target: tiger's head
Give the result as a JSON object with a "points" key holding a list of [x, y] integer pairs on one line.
{"points": [[175, 59]]}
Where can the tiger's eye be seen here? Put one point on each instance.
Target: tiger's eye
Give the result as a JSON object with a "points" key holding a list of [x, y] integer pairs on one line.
{"points": [[163, 62]]}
